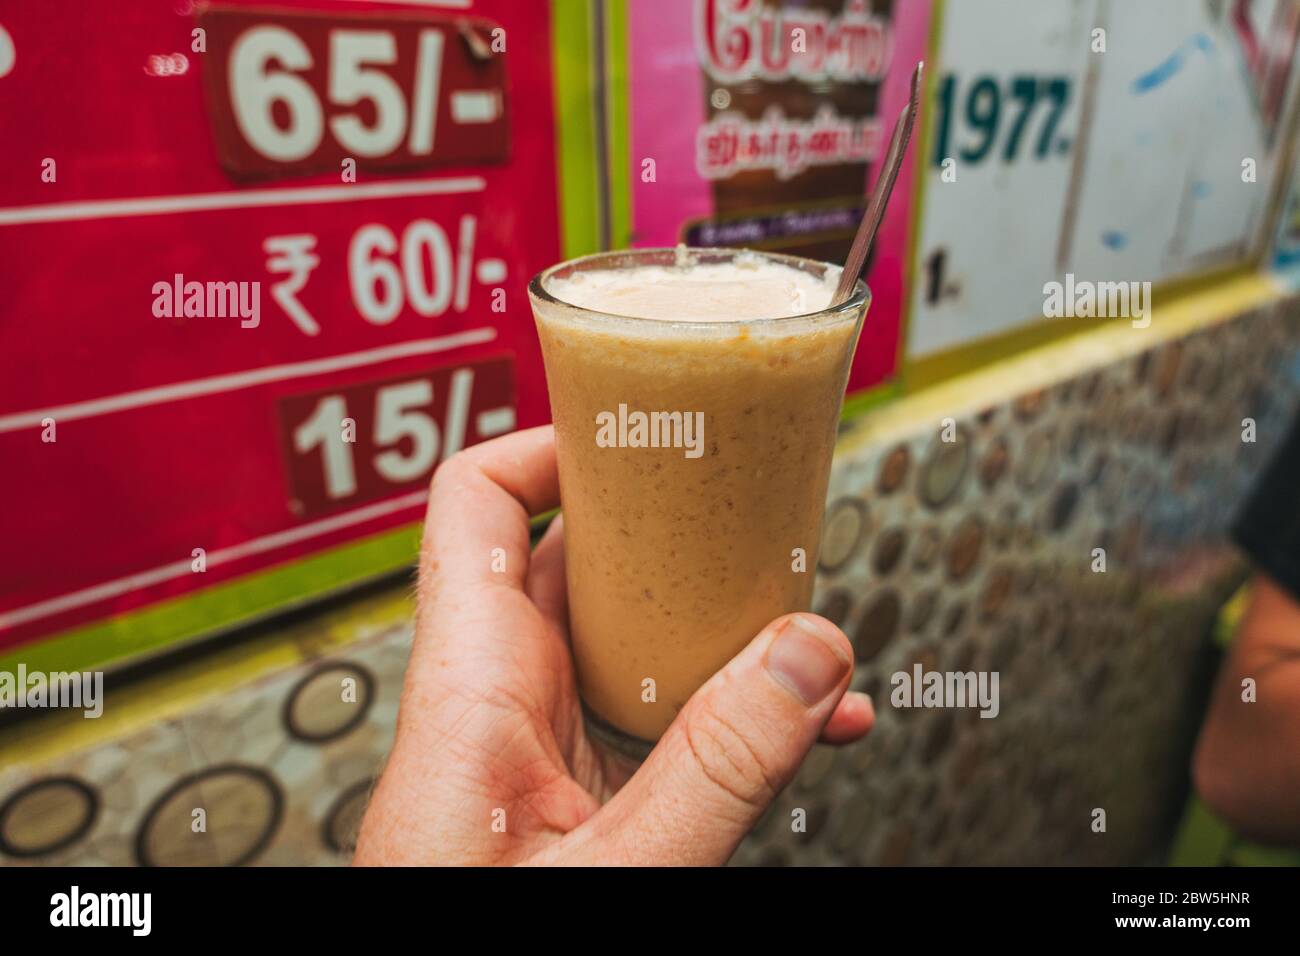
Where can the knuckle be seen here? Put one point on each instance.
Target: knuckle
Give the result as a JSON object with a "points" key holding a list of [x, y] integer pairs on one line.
{"points": [[728, 757], [450, 472]]}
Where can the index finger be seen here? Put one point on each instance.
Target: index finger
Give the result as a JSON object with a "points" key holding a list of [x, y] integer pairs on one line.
{"points": [[476, 529]]}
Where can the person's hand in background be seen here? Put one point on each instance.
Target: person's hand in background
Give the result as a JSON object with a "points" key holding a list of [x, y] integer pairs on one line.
{"points": [[490, 728], [1247, 764]]}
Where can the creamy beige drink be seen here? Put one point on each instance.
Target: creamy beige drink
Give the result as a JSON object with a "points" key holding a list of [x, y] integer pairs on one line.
{"points": [[695, 400]]}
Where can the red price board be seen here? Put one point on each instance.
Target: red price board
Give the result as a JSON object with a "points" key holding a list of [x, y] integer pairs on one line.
{"points": [[363, 442], [310, 91], [227, 350]]}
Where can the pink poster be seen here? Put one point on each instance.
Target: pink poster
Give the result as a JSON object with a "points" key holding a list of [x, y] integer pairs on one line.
{"points": [[766, 122]]}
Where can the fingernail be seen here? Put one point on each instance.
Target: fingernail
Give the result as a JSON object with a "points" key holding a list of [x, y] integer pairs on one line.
{"points": [[806, 659]]}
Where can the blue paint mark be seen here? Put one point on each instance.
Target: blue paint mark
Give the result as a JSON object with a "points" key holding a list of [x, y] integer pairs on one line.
{"points": [[1201, 189], [1149, 81], [1285, 260], [1173, 64], [1114, 240], [1144, 138]]}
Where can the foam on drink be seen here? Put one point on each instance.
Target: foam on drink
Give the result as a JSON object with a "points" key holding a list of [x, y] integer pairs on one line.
{"points": [[746, 289]]}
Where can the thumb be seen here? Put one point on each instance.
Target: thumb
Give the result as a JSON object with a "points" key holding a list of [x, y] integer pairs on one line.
{"points": [[731, 750]]}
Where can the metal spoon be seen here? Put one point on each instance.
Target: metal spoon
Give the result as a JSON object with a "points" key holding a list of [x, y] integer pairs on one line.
{"points": [[880, 194]]}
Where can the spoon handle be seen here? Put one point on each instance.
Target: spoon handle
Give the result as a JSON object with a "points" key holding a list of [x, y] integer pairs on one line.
{"points": [[866, 234]]}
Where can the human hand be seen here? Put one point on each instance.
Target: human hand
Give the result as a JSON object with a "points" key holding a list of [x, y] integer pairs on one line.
{"points": [[491, 763]]}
